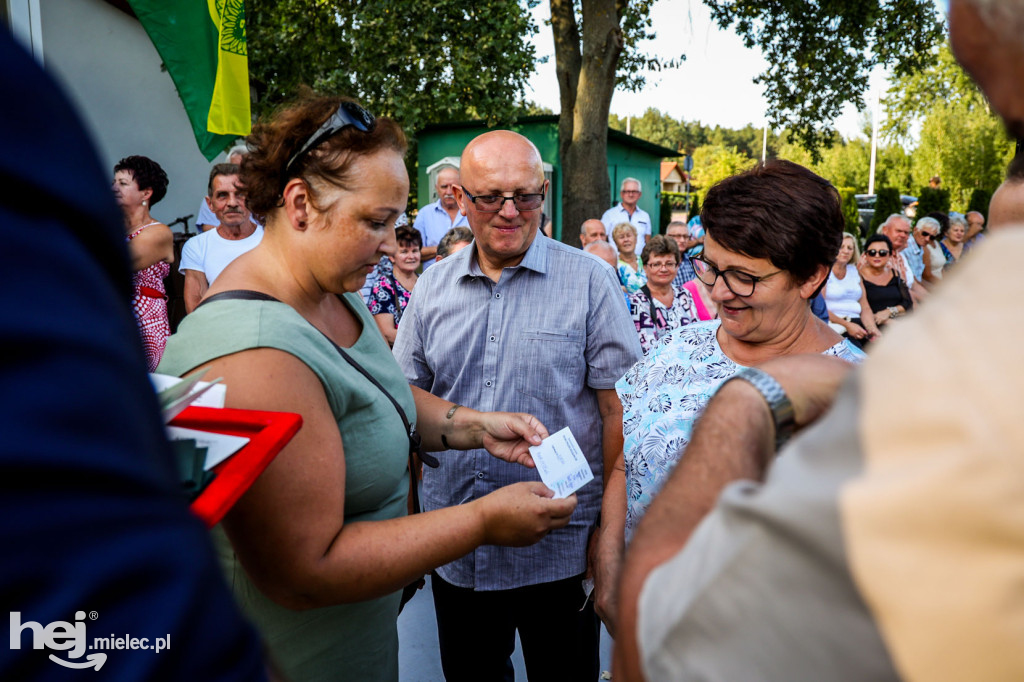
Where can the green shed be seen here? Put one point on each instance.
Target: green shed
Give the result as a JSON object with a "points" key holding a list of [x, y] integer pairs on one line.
{"points": [[441, 144]]}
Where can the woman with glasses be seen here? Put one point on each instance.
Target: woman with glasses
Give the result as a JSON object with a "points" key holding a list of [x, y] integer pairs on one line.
{"points": [[771, 235], [658, 308], [318, 550], [631, 267], [848, 310], [888, 295], [928, 230]]}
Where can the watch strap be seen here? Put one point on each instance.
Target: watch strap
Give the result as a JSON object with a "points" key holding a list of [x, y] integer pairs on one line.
{"points": [[778, 402]]}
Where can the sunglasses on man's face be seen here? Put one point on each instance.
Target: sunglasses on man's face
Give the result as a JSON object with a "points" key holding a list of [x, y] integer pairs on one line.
{"points": [[879, 252], [928, 236]]}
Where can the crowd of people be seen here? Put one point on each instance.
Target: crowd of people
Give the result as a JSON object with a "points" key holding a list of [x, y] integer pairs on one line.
{"points": [[768, 502]]}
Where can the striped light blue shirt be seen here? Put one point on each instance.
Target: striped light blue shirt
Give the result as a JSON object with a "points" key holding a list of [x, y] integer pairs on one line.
{"points": [[540, 340]]}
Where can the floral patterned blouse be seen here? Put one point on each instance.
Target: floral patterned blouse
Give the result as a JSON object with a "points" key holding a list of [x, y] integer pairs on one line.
{"points": [[389, 296], [662, 396], [630, 278], [680, 313]]}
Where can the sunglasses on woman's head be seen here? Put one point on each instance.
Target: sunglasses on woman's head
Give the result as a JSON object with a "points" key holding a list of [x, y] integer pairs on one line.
{"points": [[880, 252]]}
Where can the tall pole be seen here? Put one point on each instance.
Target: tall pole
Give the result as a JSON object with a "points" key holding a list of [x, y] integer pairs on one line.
{"points": [[874, 143], [764, 144]]}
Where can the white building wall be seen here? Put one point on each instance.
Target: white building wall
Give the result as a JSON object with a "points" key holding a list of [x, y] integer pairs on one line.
{"points": [[111, 71]]}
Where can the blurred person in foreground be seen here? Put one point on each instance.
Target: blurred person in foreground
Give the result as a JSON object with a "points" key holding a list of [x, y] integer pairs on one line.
{"points": [[94, 522], [539, 329], [319, 549], [763, 267], [659, 307], [888, 534], [139, 183]]}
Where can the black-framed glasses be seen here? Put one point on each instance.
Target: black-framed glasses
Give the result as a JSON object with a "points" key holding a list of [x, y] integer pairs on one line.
{"points": [[348, 114], [492, 203], [739, 283], [877, 252], [667, 265], [928, 236]]}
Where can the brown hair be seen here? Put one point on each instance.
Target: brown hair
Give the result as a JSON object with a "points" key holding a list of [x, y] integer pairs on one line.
{"points": [[407, 236], [220, 169], [779, 211], [660, 245], [274, 141]]}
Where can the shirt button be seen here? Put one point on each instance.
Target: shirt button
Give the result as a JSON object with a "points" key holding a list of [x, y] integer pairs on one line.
{"points": [[498, 295], [493, 337], [487, 383], [479, 474]]}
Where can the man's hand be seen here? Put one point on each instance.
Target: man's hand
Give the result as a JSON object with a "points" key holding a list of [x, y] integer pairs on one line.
{"points": [[509, 435]]}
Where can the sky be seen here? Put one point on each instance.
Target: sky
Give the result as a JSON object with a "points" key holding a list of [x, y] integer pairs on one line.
{"points": [[714, 85]]}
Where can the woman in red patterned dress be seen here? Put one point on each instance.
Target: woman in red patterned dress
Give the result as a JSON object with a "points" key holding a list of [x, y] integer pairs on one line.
{"points": [[138, 184]]}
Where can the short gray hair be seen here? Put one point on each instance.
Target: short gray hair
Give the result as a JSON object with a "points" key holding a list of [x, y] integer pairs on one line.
{"points": [[451, 238], [959, 219], [928, 221], [639, 187], [240, 148], [892, 217], [602, 245]]}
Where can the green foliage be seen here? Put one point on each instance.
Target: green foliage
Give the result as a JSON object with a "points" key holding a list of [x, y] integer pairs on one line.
{"points": [[666, 213], [820, 53], [979, 202], [848, 164], [694, 205], [410, 61], [662, 129], [714, 163], [930, 199], [887, 203], [850, 216]]}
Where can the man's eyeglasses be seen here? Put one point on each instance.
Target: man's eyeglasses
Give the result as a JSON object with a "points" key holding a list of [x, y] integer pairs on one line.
{"points": [[492, 203], [631, 191], [928, 236], [667, 265], [348, 114], [739, 283], [879, 252]]}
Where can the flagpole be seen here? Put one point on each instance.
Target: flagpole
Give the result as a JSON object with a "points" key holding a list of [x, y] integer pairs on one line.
{"points": [[874, 143]]}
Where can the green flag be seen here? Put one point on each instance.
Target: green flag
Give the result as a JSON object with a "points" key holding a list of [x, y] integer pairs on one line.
{"points": [[202, 44]]}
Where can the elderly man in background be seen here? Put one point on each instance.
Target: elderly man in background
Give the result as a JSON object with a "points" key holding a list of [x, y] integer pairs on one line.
{"points": [[206, 255], [434, 220], [679, 232], [592, 231], [455, 239], [897, 228], [519, 321], [609, 255], [207, 219], [873, 550], [627, 211], [975, 230]]}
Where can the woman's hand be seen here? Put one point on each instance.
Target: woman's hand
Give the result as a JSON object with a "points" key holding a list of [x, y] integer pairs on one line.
{"points": [[523, 513], [855, 330], [509, 435], [881, 317]]}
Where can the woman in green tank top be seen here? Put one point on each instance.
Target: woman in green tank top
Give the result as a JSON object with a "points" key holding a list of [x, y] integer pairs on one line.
{"points": [[318, 550]]}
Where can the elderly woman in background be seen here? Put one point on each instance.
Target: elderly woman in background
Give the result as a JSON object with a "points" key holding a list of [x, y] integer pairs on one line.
{"points": [[763, 266], [926, 234], [390, 295], [848, 309], [630, 266], [319, 549], [453, 240], [139, 183], [887, 293], [658, 308], [953, 241]]}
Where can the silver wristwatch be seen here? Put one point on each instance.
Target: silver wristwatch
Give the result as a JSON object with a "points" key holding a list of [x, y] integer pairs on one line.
{"points": [[775, 396]]}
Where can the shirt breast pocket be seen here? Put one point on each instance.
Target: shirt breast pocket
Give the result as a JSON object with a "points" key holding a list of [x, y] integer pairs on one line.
{"points": [[550, 364]]}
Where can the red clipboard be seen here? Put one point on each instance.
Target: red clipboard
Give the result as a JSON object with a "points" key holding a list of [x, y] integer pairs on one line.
{"points": [[268, 433]]}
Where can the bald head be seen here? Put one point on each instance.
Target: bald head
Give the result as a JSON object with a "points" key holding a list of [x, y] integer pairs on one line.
{"points": [[592, 231], [604, 251], [499, 147]]}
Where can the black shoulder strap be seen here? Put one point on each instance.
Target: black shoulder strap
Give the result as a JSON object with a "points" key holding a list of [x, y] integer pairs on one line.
{"points": [[650, 301], [238, 294]]}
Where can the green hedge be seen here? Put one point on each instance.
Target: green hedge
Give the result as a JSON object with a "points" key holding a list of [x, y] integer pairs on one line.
{"points": [[887, 203], [847, 196], [930, 199], [980, 199]]}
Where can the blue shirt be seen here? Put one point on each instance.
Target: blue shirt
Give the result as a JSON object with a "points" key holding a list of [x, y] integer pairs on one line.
{"points": [[662, 398], [914, 255], [541, 340], [685, 273], [433, 223], [640, 220]]}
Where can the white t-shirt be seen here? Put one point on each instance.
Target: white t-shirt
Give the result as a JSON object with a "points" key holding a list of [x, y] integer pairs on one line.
{"points": [[209, 253], [842, 296]]}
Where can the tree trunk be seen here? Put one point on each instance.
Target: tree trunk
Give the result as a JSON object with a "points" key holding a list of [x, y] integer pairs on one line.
{"points": [[586, 82]]}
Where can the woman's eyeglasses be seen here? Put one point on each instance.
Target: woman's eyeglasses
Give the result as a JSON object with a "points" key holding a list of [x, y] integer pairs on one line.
{"points": [[666, 265], [877, 252], [739, 283], [348, 114]]}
